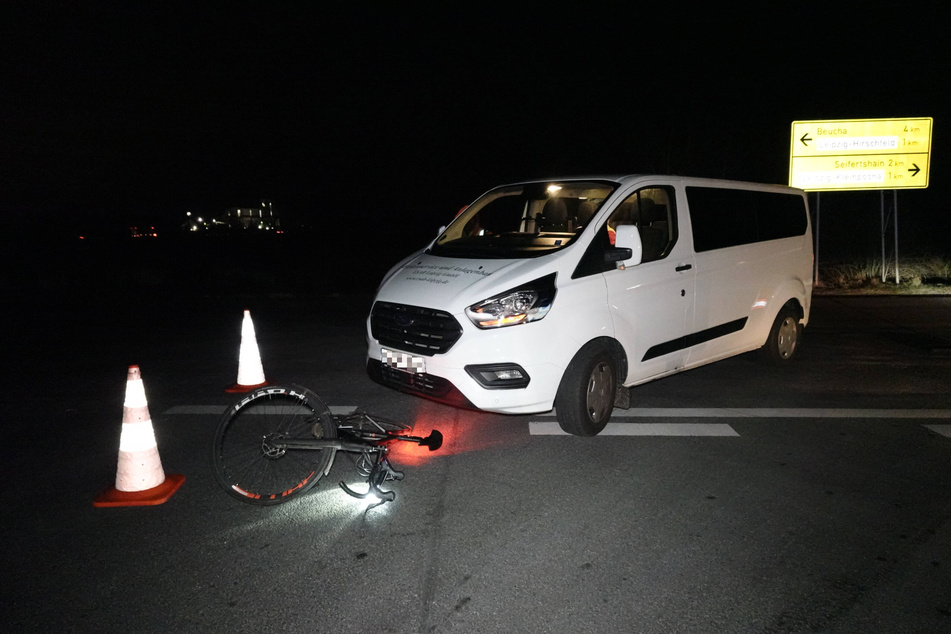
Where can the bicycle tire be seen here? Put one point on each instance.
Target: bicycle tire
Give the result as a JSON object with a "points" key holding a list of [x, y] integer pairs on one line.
{"points": [[247, 457]]}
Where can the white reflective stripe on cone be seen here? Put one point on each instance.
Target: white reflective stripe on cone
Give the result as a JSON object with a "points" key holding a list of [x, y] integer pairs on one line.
{"points": [[137, 436], [135, 391]]}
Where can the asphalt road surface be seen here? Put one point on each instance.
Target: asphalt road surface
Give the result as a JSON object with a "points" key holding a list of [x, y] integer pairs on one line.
{"points": [[731, 498]]}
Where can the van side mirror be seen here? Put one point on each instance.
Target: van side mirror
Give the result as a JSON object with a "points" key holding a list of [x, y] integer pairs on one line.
{"points": [[615, 254], [628, 238]]}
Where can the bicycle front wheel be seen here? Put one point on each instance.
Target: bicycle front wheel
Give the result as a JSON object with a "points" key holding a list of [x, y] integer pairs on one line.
{"points": [[251, 459]]}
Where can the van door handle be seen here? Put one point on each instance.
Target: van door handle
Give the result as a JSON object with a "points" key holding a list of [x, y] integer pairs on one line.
{"points": [[684, 267]]}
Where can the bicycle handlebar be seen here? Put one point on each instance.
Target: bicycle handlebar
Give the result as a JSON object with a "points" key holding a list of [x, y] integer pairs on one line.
{"points": [[381, 496]]}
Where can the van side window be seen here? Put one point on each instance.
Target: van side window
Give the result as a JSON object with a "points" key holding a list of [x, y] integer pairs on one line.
{"points": [[651, 210], [724, 218]]}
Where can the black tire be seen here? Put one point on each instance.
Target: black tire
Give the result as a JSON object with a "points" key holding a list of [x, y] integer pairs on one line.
{"points": [[248, 458], [585, 396], [785, 337]]}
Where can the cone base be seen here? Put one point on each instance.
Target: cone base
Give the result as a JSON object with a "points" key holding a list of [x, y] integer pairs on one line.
{"points": [[237, 387], [150, 497]]}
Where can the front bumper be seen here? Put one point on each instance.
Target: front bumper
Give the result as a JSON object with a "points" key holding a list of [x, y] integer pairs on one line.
{"points": [[425, 385]]}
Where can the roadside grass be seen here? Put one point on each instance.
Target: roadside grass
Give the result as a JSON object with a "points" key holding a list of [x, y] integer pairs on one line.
{"points": [[919, 275]]}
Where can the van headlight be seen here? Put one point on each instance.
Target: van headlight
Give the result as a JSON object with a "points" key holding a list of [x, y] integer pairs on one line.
{"points": [[521, 305]]}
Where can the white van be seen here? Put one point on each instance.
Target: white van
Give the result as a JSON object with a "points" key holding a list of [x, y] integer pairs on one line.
{"points": [[561, 293]]}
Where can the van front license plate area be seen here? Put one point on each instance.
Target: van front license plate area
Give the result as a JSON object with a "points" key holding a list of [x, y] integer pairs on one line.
{"points": [[403, 361]]}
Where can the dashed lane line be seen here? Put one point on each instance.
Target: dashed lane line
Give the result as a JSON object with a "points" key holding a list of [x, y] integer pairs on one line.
{"points": [[545, 428], [537, 428], [775, 412], [630, 428], [217, 410], [677, 412]]}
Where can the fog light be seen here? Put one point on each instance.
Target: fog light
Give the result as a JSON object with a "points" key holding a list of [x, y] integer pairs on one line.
{"points": [[499, 376]]}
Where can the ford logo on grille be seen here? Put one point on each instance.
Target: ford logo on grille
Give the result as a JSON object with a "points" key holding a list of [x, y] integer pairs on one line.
{"points": [[404, 321]]}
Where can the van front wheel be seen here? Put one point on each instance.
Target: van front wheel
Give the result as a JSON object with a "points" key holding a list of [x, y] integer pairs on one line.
{"points": [[585, 397], [784, 337]]}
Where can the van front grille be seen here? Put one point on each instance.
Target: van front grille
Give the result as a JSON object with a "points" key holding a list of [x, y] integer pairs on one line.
{"points": [[414, 329]]}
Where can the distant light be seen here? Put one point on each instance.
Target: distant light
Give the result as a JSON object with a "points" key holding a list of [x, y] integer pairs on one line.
{"points": [[554, 188]]}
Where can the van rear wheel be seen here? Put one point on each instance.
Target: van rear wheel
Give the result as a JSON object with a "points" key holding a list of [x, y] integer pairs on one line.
{"points": [[784, 337], [585, 396]]}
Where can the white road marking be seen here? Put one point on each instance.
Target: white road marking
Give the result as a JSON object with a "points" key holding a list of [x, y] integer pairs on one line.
{"points": [[772, 412], [632, 428], [196, 409], [641, 429]]}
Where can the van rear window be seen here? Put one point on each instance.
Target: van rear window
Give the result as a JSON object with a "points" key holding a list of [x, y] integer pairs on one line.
{"points": [[724, 218]]}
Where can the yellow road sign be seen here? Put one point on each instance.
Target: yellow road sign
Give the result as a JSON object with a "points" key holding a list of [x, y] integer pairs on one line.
{"points": [[849, 154]]}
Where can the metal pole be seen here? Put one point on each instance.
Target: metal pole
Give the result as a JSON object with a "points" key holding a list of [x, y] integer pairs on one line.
{"points": [[815, 260], [897, 278], [881, 197]]}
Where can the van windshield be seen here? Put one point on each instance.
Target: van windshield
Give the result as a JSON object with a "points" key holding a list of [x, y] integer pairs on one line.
{"points": [[523, 221]]}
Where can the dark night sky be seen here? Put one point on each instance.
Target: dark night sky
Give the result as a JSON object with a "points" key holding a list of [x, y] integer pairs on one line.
{"points": [[140, 111]]}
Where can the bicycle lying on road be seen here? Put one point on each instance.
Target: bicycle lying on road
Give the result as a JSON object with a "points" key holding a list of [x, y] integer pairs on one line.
{"points": [[277, 442]]}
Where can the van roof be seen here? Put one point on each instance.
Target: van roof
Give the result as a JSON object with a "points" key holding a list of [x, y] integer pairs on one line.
{"points": [[623, 179]]}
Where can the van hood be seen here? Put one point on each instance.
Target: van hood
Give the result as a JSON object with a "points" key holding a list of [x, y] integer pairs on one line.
{"points": [[453, 284]]}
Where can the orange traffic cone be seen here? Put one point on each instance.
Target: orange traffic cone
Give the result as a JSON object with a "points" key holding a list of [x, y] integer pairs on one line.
{"points": [[250, 370], [140, 480]]}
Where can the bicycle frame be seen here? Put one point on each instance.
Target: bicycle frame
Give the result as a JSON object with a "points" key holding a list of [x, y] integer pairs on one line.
{"points": [[433, 441], [366, 443]]}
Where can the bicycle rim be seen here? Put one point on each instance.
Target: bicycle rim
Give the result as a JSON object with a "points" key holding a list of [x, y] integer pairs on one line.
{"points": [[249, 459]]}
